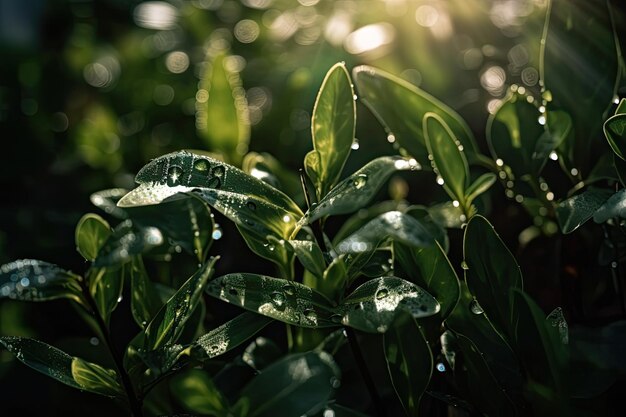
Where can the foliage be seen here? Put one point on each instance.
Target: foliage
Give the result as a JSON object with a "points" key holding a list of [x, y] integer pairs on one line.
{"points": [[431, 294]]}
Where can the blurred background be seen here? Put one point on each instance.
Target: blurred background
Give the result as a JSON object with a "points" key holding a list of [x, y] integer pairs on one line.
{"points": [[92, 90]]}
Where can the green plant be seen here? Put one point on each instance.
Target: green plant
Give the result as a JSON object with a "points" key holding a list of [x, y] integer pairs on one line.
{"points": [[384, 276]]}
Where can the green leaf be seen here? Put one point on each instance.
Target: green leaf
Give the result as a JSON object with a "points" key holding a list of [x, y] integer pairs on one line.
{"points": [[168, 324], [91, 233], [32, 280], [94, 378], [359, 188], [409, 361], [269, 170], [491, 270], [222, 110], [127, 240], [558, 128], [283, 300], [615, 133], [556, 319], [195, 391], [400, 107], [310, 256], [479, 186], [58, 365], [229, 335], [447, 215], [429, 267], [261, 353], [448, 157], [332, 129], [513, 133], [145, 301], [299, 384], [575, 211], [614, 207], [374, 305], [579, 36], [105, 286]]}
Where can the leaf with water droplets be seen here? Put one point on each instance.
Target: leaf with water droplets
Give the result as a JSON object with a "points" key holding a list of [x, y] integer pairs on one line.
{"points": [[575, 211], [91, 233], [400, 106], [513, 132], [491, 271], [127, 240], [169, 322], [479, 186], [229, 335], [430, 267], [614, 207], [222, 110], [310, 255], [145, 301], [195, 391], [409, 361], [32, 280], [280, 299], [448, 157], [556, 319], [359, 188], [558, 128], [299, 384], [373, 306], [58, 365], [332, 129]]}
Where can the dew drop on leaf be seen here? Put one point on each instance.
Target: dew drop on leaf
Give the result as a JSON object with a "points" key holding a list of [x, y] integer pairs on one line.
{"points": [[201, 165], [382, 293], [475, 307]]}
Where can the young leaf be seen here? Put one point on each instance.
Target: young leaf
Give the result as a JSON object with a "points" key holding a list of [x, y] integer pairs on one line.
{"points": [[169, 322], [409, 361], [332, 129], [373, 306], [229, 335], [58, 365], [575, 211], [299, 384], [286, 301], [195, 391], [105, 286], [359, 188], [615, 132], [429, 267], [400, 106], [310, 256], [448, 156], [91, 233], [482, 184], [145, 301], [222, 110], [558, 128], [31, 280], [491, 270]]}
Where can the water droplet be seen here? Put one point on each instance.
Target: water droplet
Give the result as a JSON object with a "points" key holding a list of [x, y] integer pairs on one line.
{"points": [[355, 144], [336, 318], [119, 299], [464, 265], [233, 291], [613, 264], [217, 232], [289, 289], [286, 218], [335, 383], [173, 175], [391, 138], [475, 307], [441, 367], [201, 165], [278, 299], [440, 180], [499, 162], [310, 314], [251, 205], [94, 341], [382, 293], [218, 171], [360, 181], [455, 203]]}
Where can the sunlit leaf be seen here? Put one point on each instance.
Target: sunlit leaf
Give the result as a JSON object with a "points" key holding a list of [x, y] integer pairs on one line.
{"points": [[229, 335], [359, 188], [169, 322], [105, 287], [479, 186], [91, 233], [32, 280], [310, 255], [332, 128], [575, 211], [448, 156], [409, 361], [299, 384], [400, 107], [373, 306], [58, 365], [558, 128], [268, 169], [283, 300], [615, 132], [490, 270], [195, 391], [222, 110]]}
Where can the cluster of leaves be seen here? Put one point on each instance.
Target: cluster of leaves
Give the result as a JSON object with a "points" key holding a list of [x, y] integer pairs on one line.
{"points": [[386, 272]]}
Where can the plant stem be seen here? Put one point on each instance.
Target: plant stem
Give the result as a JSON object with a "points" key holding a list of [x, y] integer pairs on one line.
{"points": [[367, 377], [133, 400]]}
